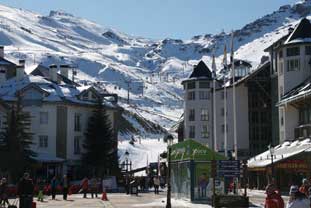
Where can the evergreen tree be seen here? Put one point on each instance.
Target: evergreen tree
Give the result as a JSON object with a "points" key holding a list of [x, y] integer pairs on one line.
{"points": [[99, 150], [17, 153]]}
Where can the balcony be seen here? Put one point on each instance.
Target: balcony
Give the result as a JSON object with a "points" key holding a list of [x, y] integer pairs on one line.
{"points": [[303, 131]]}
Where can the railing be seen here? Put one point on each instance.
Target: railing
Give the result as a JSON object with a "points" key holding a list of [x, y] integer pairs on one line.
{"points": [[303, 131]]}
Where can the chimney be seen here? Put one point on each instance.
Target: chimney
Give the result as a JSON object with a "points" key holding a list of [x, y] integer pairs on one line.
{"points": [[20, 70], [64, 70], [53, 72], [2, 51]]}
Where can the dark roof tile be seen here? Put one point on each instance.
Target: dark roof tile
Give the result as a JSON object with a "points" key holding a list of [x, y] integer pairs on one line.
{"points": [[201, 70]]}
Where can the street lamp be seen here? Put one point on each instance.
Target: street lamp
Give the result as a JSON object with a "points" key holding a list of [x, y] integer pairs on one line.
{"points": [[271, 149], [169, 138], [127, 180]]}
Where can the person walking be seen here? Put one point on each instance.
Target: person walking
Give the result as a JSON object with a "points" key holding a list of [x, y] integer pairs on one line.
{"points": [[304, 188], [297, 199], [54, 184], [65, 186], [4, 195], [156, 183], [40, 184], [25, 191], [273, 199], [85, 186], [94, 186], [127, 184]]}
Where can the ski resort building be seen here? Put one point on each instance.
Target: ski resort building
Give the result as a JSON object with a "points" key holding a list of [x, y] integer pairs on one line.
{"points": [[289, 161], [273, 102], [59, 110], [253, 105]]}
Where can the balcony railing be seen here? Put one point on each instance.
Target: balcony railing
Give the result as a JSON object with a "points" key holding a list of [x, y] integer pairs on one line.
{"points": [[303, 131]]}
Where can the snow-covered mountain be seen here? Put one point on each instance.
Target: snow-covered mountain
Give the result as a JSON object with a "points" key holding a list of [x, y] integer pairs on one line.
{"points": [[151, 69]]}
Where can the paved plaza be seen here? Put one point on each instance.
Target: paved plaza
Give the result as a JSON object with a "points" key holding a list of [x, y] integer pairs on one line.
{"points": [[143, 200]]}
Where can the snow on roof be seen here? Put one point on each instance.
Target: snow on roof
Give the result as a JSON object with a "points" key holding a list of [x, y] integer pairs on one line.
{"points": [[281, 152], [55, 92], [300, 91]]}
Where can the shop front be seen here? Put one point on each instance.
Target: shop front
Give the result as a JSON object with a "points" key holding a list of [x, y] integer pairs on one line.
{"points": [[288, 165], [48, 166]]}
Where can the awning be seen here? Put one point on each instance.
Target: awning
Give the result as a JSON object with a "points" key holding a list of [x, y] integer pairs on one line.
{"points": [[44, 157], [281, 152]]}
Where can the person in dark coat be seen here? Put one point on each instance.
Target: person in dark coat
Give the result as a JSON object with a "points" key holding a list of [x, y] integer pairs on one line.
{"points": [[65, 186], [54, 184], [4, 195], [25, 191], [85, 186]]}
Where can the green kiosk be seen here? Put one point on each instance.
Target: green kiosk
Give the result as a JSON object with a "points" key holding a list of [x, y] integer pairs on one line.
{"points": [[191, 171], [193, 166]]}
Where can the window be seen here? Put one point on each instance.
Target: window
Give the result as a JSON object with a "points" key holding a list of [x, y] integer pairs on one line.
{"points": [[77, 149], [204, 132], [77, 122], [191, 85], [204, 114], [85, 96], [191, 115], [204, 85], [308, 50], [44, 117], [223, 128], [293, 65], [281, 54], [191, 132], [204, 95], [294, 51], [223, 112], [191, 95], [43, 141]]}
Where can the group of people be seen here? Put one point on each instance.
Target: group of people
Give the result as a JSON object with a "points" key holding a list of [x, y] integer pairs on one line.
{"points": [[144, 183], [26, 189], [299, 197]]}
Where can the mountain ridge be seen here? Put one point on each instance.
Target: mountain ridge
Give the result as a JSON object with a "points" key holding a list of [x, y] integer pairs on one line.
{"points": [[150, 69]]}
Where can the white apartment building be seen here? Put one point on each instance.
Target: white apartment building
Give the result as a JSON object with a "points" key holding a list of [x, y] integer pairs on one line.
{"points": [[198, 108], [291, 63], [59, 110]]}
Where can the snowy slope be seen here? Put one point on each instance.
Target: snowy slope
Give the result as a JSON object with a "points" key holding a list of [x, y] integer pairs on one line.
{"points": [[152, 70]]}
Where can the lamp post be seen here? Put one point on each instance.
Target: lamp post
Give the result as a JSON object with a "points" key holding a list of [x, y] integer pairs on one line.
{"points": [[271, 149], [127, 179], [169, 139]]}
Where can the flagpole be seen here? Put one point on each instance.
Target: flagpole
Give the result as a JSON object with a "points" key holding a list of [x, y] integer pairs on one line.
{"points": [[225, 118], [234, 101], [225, 103], [214, 103]]}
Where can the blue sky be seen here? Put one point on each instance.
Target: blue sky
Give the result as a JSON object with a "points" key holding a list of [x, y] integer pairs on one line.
{"points": [[160, 18]]}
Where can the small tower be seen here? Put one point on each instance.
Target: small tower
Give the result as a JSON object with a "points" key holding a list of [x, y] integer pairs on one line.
{"points": [[198, 105]]}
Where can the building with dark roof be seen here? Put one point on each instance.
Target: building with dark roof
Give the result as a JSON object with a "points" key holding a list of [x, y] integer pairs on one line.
{"points": [[291, 67], [253, 91]]}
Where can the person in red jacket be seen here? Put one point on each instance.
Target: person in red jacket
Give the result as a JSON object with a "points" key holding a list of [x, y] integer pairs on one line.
{"points": [[273, 199], [85, 186], [304, 188]]}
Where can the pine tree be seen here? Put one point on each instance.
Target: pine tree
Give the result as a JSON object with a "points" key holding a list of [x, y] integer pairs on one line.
{"points": [[99, 155], [18, 138]]}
